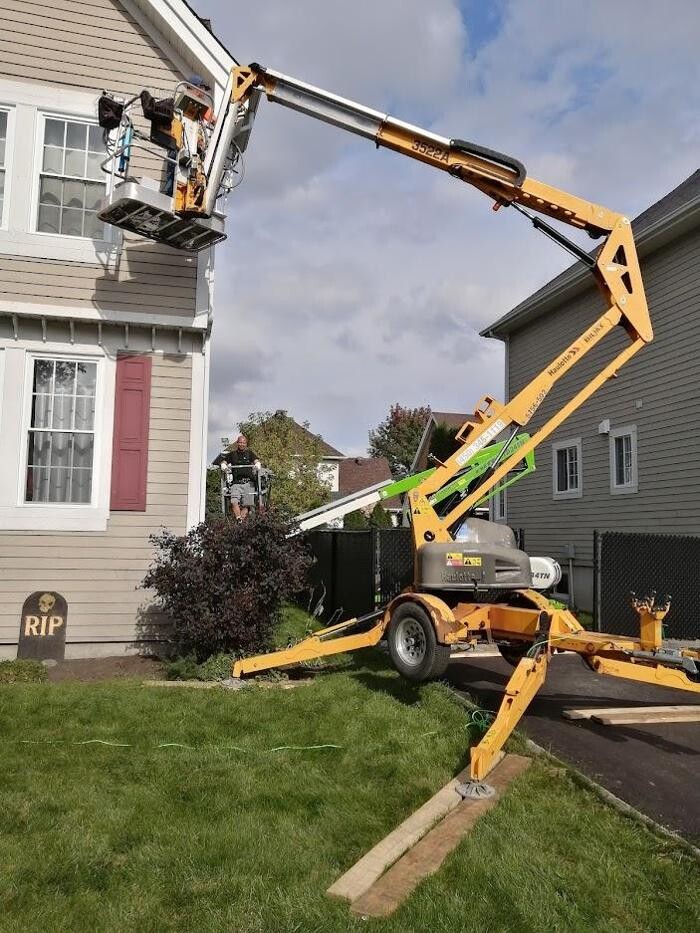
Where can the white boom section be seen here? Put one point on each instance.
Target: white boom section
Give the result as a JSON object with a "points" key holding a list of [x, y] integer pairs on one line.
{"points": [[340, 507], [338, 111], [233, 126]]}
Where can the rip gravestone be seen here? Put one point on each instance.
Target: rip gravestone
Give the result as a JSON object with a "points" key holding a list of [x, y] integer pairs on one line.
{"points": [[42, 632]]}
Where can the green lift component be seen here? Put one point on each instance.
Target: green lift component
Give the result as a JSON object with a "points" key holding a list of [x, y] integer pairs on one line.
{"points": [[479, 464]]}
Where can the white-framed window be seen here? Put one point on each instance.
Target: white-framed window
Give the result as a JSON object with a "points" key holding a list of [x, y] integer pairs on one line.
{"points": [[56, 423], [7, 123], [623, 460], [567, 469], [51, 175], [498, 506], [70, 183], [61, 431]]}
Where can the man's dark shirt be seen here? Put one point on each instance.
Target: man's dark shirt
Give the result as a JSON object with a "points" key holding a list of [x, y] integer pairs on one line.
{"points": [[238, 458]]}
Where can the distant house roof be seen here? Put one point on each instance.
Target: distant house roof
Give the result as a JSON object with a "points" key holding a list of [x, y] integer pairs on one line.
{"points": [[669, 217], [453, 419], [326, 450], [357, 473]]}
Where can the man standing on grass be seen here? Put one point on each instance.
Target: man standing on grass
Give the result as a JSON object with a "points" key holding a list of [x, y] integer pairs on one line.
{"points": [[241, 464]]}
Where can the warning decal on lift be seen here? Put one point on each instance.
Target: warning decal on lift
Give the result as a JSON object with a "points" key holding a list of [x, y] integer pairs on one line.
{"points": [[462, 560]]}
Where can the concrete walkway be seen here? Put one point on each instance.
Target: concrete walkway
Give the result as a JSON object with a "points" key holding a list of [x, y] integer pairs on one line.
{"points": [[655, 768]]}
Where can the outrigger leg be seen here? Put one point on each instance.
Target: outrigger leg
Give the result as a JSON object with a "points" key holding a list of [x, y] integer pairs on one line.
{"points": [[333, 640], [525, 681]]}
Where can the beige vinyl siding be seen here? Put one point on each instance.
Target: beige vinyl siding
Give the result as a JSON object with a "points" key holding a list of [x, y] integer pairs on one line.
{"points": [[99, 573], [91, 45], [658, 392]]}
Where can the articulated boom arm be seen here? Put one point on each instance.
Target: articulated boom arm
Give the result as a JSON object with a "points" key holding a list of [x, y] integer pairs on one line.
{"points": [[504, 180], [530, 629]]}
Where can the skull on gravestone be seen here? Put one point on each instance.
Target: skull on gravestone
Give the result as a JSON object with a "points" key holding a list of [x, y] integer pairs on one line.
{"points": [[46, 603]]}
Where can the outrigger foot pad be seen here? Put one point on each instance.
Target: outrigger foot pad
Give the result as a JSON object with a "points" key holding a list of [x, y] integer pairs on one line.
{"points": [[475, 790]]}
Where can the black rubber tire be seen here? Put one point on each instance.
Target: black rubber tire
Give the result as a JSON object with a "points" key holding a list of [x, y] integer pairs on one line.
{"points": [[436, 656], [514, 653]]}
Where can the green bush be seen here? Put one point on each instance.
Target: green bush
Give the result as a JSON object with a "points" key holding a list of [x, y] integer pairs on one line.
{"points": [[294, 624], [356, 521], [379, 518], [183, 669], [22, 672], [217, 667]]}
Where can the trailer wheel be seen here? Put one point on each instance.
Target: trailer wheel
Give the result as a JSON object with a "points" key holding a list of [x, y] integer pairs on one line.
{"points": [[415, 651], [514, 652]]}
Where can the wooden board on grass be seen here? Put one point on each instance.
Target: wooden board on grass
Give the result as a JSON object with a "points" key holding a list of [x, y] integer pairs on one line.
{"points": [[371, 866], [426, 857]]}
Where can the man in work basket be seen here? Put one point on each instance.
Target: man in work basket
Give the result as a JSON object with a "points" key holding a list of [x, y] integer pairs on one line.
{"points": [[241, 468]]}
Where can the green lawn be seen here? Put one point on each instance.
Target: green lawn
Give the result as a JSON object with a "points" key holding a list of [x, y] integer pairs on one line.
{"points": [[146, 838]]}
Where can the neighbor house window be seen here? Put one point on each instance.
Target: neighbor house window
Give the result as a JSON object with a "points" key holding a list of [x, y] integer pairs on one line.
{"points": [[71, 182], [498, 506], [61, 433], [623, 460], [567, 480]]}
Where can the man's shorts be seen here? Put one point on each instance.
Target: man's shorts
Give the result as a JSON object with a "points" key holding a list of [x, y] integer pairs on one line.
{"points": [[243, 493]]}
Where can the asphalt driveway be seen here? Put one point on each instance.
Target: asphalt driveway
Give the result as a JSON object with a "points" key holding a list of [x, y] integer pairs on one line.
{"points": [[655, 768]]}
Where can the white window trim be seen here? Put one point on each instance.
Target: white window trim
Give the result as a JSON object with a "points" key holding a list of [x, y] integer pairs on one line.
{"points": [[633, 486], [9, 163], [569, 493], [15, 513], [43, 115], [493, 507], [19, 237]]}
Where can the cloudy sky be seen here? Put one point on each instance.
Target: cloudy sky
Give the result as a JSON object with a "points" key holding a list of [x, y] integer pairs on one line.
{"points": [[353, 277]]}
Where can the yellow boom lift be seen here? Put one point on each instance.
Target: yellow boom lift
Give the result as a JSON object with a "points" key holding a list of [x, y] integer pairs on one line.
{"points": [[471, 583]]}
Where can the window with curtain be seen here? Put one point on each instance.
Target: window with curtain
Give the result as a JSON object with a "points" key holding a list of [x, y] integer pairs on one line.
{"points": [[61, 432]]}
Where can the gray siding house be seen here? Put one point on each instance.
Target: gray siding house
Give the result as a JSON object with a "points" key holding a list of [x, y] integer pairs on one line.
{"points": [[104, 337], [629, 458]]}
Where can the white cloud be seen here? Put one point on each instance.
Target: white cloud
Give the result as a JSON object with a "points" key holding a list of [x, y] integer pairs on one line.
{"points": [[353, 278]]}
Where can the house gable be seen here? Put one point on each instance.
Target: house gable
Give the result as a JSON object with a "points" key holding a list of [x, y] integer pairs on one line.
{"points": [[177, 28]]}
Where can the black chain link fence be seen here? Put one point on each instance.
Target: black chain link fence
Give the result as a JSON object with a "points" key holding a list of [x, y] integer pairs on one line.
{"points": [[626, 563], [358, 571]]}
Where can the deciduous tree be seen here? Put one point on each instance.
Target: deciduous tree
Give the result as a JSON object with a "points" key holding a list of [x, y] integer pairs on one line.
{"points": [[397, 437], [292, 453]]}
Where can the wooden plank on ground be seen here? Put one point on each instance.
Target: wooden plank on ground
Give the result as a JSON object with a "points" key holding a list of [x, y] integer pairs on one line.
{"points": [[593, 712], [223, 684], [371, 866], [644, 716], [426, 857]]}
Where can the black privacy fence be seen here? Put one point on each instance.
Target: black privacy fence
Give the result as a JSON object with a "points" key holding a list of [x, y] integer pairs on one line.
{"points": [[626, 563], [357, 571]]}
